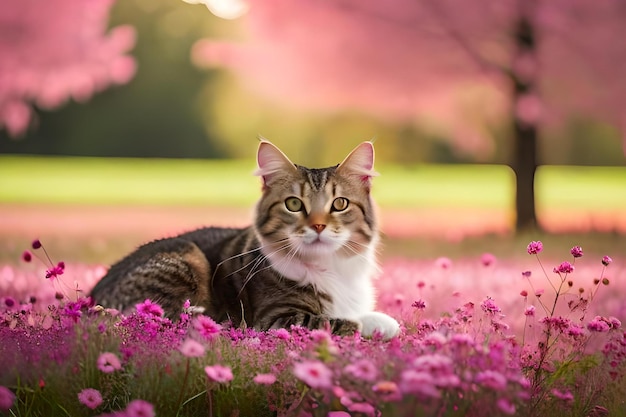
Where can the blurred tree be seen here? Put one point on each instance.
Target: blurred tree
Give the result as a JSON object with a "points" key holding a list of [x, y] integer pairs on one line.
{"points": [[157, 114], [51, 51], [536, 63]]}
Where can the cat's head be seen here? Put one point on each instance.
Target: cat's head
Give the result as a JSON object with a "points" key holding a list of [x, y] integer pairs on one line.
{"points": [[309, 213]]}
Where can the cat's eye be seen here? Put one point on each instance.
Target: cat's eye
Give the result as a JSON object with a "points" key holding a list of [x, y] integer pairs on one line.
{"points": [[340, 204], [294, 204]]}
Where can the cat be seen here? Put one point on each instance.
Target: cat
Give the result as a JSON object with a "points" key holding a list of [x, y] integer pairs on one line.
{"points": [[307, 260]]}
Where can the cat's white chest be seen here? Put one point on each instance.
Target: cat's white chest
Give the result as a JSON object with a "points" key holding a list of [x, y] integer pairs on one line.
{"points": [[347, 281]]}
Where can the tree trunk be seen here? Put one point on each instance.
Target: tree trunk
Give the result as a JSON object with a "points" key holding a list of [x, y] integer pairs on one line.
{"points": [[525, 131]]}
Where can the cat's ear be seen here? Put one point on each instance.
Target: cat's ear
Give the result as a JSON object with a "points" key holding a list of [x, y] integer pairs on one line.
{"points": [[271, 161], [360, 163]]}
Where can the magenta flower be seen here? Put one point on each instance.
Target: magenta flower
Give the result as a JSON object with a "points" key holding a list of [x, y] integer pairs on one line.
{"points": [[192, 349], [207, 328], [90, 397], [36, 244], [598, 324], [489, 306], [529, 311], [108, 362], [218, 373], [564, 268], [534, 247], [419, 382], [55, 271], [362, 369], [149, 308], [419, 304], [139, 408], [27, 256], [491, 379], [264, 379], [606, 260], [313, 373], [576, 251], [506, 406], [526, 274], [7, 398], [563, 395], [487, 259]]}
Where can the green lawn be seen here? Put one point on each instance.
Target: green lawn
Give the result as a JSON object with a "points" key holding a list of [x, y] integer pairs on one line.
{"points": [[230, 183]]}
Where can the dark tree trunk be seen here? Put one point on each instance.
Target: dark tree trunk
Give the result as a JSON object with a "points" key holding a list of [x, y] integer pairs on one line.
{"points": [[525, 133]]}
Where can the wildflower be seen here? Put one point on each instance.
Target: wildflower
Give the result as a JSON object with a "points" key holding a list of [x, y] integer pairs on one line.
{"points": [[529, 311], [313, 373], [337, 414], [7, 398], [598, 324], [282, 334], [362, 369], [443, 262], [606, 260], [534, 247], [139, 408], [108, 362], [506, 406], [207, 328], [526, 274], [385, 388], [36, 244], [148, 308], [418, 382], [524, 293], [73, 310], [419, 304], [491, 379], [264, 379], [219, 373], [576, 251], [27, 256], [191, 349], [539, 292], [9, 302], [564, 268], [563, 395], [362, 408], [575, 330], [90, 397], [605, 281], [55, 271], [487, 259], [489, 306]]}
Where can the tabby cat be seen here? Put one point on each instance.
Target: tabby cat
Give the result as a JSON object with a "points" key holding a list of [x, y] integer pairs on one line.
{"points": [[307, 260]]}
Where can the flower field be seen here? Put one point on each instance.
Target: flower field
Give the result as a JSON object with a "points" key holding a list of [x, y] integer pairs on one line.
{"points": [[480, 336]]}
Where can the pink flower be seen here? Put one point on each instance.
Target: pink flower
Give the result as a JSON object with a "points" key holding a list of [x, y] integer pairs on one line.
{"points": [[313, 373], [598, 324], [139, 408], [418, 382], [539, 292], [419, 304], [90, 397], [506, 406], [491, 379], [534, 247], [526, 274], [36, 244], [362, 408], [55, 271], [282, 334], [576, 251], [219, 373], [149, 308], [362, 369], [564, 268], [337, 414], [108, 362], [563, 395], [191, 349], [529, 311], [606, 260], [487, 259], [489, 306], [265, 379], [443, 262], [7, 398], [207, 328]]}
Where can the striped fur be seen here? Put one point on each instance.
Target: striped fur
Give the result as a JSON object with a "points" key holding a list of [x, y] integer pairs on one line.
{"points": [[308, 259]]}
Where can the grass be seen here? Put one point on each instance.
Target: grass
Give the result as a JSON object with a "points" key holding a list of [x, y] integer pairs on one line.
{"points": [[227, 183]]}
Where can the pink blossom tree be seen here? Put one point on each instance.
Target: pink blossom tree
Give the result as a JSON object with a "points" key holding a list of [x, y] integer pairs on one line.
{"points": [[51, 51], [539, 62]]}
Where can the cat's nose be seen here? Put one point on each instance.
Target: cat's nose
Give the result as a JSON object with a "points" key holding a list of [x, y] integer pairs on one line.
{"points": [[318, 227]]}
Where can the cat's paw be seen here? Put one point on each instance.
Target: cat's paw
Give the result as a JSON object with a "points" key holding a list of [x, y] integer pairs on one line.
{"points": [[375, 321]]}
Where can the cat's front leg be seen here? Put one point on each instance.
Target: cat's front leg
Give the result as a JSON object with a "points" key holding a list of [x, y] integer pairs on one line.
{"points": [[375, 321], [341, 327]]}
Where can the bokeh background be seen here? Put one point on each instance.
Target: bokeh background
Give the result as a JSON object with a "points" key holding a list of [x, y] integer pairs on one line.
{"points": [[489, 118]]}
